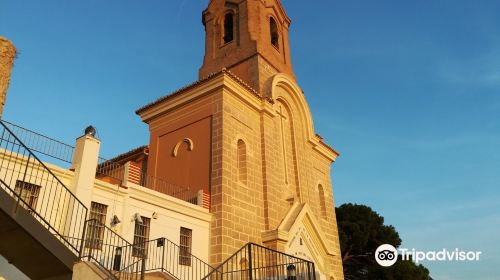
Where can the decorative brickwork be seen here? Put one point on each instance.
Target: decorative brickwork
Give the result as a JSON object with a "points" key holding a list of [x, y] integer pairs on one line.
{"points": [[134, 175], [285, 163], [205, 200], [260, 37]]}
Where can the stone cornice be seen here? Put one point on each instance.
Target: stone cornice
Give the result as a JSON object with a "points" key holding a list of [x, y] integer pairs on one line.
{"points": [[220, 80]]}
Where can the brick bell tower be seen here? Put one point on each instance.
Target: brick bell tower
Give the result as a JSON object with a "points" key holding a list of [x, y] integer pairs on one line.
{"points": [[249, 38], [245, 137]]}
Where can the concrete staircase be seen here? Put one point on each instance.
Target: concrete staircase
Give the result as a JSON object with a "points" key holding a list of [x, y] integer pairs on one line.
{"points": [[44, 230], [90, 271], [26, 244]]}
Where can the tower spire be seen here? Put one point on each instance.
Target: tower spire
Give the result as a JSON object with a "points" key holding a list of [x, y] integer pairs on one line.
{"points": [[248, 37]]}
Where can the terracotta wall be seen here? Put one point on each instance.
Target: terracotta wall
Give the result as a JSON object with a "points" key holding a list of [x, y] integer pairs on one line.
{"points": [[189, 128]]}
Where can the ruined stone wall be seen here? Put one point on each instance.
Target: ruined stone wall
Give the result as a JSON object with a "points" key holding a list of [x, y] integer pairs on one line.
{"points": [[7, 56]]}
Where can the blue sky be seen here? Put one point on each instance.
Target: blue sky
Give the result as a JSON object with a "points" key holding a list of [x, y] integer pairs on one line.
{"points": [[407, 91]]}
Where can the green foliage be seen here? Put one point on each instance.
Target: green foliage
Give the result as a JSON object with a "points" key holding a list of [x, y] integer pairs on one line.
{"points": [[407, 270], [361, 231]]}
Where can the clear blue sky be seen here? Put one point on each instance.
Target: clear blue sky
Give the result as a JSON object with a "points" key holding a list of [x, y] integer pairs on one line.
{"points": [[407, 91]]}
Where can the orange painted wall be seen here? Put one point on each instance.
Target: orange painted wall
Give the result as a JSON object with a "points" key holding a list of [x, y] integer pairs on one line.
{"points": [[189, 168]]}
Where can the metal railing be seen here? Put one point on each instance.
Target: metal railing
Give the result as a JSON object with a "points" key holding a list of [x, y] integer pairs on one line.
{"points": [[256, 262], [26, 178], [160, 185], [35, 187], [42, 144], [113, 170], [165, 256], [111, 252], [109, 170], [123, 260]]}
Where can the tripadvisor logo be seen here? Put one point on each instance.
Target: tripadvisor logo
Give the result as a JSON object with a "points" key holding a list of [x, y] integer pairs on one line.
{"points": [[386, 255]]}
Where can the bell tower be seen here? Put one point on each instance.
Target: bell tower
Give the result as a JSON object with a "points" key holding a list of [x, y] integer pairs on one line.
{"points": [[249, 38], [244, 139]]}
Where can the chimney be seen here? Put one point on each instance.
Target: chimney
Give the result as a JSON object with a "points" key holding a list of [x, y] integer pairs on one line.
{"points": [[85, 158], [7, 56]]}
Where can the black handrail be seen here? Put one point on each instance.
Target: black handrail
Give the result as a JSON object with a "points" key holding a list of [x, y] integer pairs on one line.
{"points": [[38, 217], [117, 274], [37, 159], [42, 192], [110, 169], [166, 256], [26, 178], [42, 144], [111, 251], [53, 148], [187, 194], [254, 261]]}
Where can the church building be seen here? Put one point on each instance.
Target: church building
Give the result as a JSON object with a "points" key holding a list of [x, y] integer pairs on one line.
{"points": [[233, 184], [244, 133]]}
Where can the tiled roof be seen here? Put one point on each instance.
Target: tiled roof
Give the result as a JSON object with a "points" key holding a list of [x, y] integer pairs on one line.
{"points": [[198, 82], [128, 154]]}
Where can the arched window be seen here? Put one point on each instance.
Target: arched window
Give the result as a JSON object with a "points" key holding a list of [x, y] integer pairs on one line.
{"points": [[274, 33], [322, 203], [242, 162], [228, 28]]}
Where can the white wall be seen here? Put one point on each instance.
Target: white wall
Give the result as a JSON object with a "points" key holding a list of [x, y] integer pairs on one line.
{"points": [[172, 214]]}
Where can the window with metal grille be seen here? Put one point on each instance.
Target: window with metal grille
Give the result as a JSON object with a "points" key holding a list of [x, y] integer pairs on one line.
{"points": [[28, 192], [141, 237], [186, 240], [95, 231]]}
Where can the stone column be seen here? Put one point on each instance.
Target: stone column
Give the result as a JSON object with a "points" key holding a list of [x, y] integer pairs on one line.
{"points": [[7, 56], [85, 159]]}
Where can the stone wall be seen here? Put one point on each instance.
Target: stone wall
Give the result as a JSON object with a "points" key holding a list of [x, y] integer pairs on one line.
{"points": [[7, 56]]}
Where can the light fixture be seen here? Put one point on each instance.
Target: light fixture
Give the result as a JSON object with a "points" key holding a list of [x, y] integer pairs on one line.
{"points": [[137, 218], [115, 221], [90, 131], [154, 215]]}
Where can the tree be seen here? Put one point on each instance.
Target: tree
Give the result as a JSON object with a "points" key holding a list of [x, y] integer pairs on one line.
{"points": [[361, 231]]}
